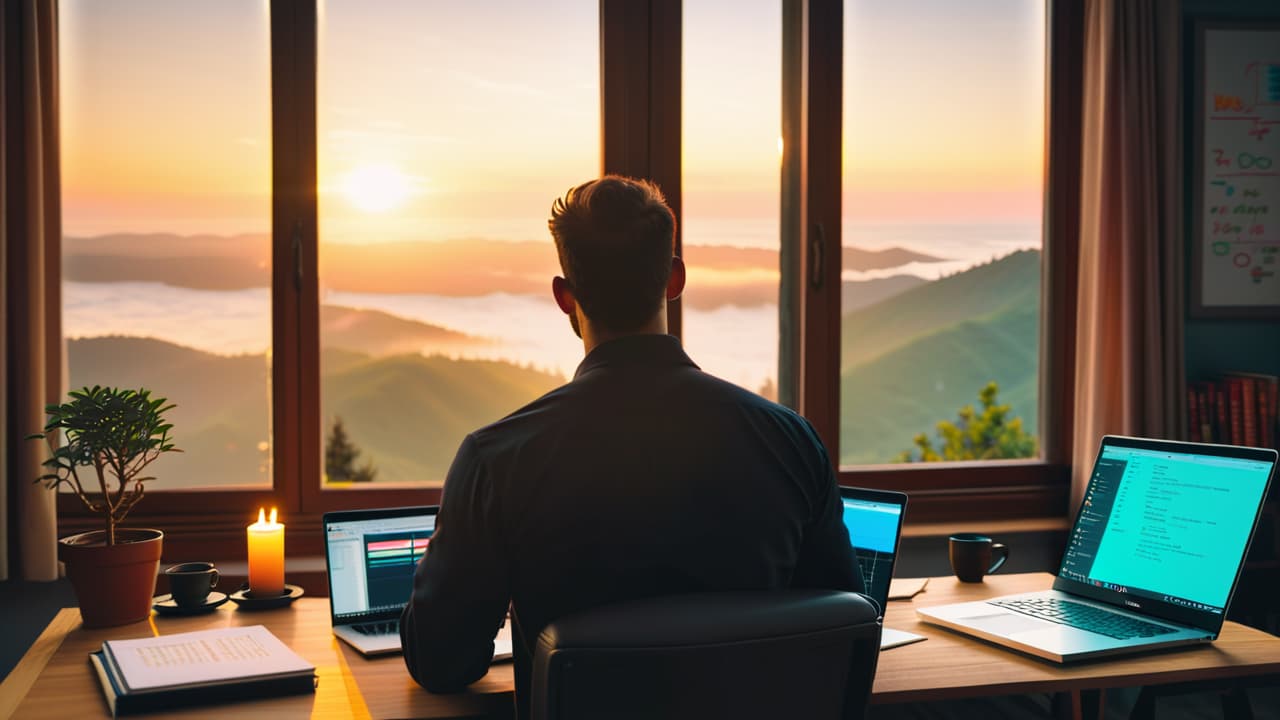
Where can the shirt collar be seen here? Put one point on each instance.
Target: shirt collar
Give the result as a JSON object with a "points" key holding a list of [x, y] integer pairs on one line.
{"points": [[643, 349]]}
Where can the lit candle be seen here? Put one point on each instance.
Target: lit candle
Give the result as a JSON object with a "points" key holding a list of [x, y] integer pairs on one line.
{"points": [[266, 556]]}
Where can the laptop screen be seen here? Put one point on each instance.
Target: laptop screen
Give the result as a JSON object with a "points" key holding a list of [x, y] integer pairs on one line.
{"points": [[1167, 521], [874, 519], [371, 556]]}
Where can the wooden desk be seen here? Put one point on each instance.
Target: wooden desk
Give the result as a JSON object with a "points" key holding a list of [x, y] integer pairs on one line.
{"points": [[54, 680]]}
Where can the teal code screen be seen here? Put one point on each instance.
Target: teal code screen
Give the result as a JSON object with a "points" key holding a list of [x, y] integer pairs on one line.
{"points": [[1167, 523]]}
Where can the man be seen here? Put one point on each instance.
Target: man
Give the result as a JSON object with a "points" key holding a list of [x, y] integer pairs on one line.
{"points": [[643, 476]]}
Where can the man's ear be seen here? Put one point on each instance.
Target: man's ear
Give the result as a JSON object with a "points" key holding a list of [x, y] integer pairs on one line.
{"points": [[563, 295], [675, 283]]}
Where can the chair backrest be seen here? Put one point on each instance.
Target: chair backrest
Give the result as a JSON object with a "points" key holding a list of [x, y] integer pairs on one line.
{"points": [[778, 654]]}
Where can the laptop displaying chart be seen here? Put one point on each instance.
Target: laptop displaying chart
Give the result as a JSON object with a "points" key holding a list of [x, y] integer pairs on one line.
{"points": [[874, 521]]}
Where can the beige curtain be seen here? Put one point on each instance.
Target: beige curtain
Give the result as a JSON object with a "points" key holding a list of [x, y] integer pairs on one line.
{"points": [[30, 232], [1129, 312]]}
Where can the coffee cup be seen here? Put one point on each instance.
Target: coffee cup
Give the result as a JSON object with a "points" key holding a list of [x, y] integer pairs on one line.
{"points": [[973, 556], [190, 583]]}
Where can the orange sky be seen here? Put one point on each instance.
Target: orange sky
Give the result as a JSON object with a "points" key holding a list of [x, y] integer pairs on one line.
{"points": [[478, 120]]}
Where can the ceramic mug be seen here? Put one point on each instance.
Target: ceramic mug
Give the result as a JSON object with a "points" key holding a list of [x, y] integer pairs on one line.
{"points": [[190, 583], [973, 556]]}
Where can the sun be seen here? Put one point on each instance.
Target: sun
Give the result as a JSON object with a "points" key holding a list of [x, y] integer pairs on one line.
{"points": [[377, 188]]}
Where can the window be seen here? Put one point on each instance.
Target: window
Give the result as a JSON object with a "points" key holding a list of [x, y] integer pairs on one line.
{"points": [[731, 189], [445, 132], [942, 223], [166, 174], [329, 246]]}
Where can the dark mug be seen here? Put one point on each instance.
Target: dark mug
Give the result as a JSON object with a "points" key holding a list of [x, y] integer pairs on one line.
{"points": [[972, 556], [190, 583]]}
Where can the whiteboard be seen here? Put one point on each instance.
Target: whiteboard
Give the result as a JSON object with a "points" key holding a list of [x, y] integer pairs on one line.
{"points": [[1236, 254]]}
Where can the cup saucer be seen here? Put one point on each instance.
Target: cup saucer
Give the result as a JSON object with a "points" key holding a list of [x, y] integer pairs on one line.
{"points": [[166, 605]]}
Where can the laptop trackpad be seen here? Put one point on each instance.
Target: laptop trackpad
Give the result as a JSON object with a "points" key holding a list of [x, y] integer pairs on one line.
{"points": [[1001, 623]]}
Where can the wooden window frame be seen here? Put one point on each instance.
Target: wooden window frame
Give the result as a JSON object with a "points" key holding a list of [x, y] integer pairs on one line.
{"points": [[640, 74]]}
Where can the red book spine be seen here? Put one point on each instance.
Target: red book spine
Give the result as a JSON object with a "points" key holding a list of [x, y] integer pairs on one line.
{"points": [[1220, 407], [1249, 411], [1266, 434], [1234, 397], [1193, 415], [1207, 418]]}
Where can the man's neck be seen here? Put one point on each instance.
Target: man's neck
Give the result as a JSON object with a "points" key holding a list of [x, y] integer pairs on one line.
{"points": [[593, 337]]}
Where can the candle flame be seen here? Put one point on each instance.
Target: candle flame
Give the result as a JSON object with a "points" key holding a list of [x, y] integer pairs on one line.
{"points": [[262, 515], [273, 516]]}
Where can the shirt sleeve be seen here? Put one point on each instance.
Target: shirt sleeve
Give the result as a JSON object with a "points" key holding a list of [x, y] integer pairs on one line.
{"points": [[826, 555], [461, 588]]}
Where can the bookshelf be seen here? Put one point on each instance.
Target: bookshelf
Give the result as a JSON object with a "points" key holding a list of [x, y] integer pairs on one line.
{"points": [[1240, 408]]}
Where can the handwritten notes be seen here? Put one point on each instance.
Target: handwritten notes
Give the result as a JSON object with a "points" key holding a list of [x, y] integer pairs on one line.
{"points": [[1239, 123]]}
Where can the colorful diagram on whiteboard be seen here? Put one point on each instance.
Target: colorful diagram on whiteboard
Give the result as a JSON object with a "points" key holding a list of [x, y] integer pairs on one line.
{"points": [[1240, 230]]}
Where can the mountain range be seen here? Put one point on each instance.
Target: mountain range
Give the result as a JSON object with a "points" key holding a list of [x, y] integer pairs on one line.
{"points": [[719, 274]]}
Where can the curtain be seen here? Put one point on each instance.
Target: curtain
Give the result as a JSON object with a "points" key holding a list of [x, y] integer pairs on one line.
{"points": [[1129, 365], [30, 314]]}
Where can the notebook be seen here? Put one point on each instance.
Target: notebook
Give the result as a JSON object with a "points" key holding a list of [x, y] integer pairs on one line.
{"points": [[370, 557], [874, 521], [1152, 559]]}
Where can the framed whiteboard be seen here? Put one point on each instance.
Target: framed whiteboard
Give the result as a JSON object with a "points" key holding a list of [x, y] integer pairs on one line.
{"points": [[1235, 268]]}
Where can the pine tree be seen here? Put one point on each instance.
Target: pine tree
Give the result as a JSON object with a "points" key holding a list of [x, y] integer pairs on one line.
{"points": [[340, 456], [986, 435]]}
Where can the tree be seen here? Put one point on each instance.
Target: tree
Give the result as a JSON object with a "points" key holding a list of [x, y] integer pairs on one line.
{"points": [[340, 457], [989, 434]]}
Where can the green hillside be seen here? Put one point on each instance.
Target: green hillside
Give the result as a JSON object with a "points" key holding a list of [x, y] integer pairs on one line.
{"points": [[407, 413], [935, 362], [983, 291]]}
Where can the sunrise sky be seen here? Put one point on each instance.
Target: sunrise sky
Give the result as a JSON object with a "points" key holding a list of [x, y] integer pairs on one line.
{"points": [[437, 120]]}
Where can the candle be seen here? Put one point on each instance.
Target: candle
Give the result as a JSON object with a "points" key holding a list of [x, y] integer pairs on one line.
{"points": [[266, 556]]}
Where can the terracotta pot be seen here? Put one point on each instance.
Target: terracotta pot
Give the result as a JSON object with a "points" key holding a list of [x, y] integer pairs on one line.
{"points": [[113, 584]]}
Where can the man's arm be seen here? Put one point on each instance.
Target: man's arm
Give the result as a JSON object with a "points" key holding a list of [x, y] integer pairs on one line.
{"points": [[461, 588], [826, 555]]}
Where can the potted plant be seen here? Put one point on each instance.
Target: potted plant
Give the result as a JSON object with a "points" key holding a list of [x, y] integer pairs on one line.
{"points": [[117, 433]]}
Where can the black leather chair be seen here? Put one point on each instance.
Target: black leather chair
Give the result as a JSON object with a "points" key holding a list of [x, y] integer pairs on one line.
{"points": [[782, 654]]}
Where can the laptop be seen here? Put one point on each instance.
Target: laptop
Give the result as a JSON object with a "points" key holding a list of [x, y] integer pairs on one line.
{"points": [[874, 521], [1152, 559], [370, 557]]}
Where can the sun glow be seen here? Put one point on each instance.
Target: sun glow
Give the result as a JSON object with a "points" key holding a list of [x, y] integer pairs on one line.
{"points": [[377, 188]]}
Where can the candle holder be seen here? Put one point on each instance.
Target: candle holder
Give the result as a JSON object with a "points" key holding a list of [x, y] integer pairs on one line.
{"points": [[246, 600]]}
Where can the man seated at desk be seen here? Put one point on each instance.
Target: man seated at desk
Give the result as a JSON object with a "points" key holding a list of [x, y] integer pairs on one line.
{"points": [[642, 476]]}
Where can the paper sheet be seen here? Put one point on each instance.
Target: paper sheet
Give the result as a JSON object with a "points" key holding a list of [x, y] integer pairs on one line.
{"points": [[906, 588], [201, 657]]}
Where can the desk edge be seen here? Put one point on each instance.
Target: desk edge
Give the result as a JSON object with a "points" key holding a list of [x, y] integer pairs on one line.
{"points": [[15, 687]]}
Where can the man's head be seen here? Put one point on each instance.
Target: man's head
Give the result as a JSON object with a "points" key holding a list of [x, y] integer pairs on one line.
{"points": [[616, 241]]}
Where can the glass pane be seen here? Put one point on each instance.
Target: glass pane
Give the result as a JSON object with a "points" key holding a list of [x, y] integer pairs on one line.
{"points": [[166, 182], [446, 131], [732, 129], [943, 160]]}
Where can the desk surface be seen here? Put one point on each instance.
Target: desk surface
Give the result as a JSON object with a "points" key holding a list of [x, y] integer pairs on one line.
{"points": [[54, 679]]}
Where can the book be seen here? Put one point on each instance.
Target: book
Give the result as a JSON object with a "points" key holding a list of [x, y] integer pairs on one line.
{"points": [[205, 667]]}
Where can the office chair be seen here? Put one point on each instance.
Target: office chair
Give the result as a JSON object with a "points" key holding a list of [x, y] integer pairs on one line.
{"points": [[776, 654]]}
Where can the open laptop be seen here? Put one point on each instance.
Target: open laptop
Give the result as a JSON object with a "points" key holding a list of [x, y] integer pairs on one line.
{"points": [[1151, 562], [370, 557], [874, 521]]}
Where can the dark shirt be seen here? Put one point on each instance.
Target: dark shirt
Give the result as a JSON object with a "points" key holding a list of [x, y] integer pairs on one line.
{"points": [[643, 476]]}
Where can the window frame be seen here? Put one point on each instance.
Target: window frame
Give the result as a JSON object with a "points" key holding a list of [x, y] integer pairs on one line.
{"points": [[640, 75]]}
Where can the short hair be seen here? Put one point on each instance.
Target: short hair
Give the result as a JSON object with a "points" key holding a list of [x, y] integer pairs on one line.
{"points": [[615, 237]]}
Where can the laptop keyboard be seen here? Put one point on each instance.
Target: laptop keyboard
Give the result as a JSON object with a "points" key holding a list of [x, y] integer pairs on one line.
{"points": [[1085, 617], [390, 627]]}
